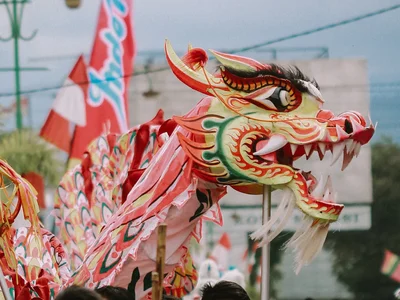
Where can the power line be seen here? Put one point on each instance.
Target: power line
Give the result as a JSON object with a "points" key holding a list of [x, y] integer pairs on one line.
{"points": [[238, 50], [318, 29]]}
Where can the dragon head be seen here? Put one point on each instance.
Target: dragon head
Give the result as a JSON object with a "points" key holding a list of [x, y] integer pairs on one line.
{"points": [[261, 118]]}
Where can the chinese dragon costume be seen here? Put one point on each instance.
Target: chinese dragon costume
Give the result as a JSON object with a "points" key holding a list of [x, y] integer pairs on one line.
{"points": [[255, 120]]}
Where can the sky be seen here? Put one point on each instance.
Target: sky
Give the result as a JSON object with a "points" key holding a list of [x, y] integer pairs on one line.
{"points": [[216, 24]]}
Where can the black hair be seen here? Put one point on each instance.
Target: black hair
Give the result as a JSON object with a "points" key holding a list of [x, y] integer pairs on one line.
{"points": [[115, 293], [224, 290], [293, 74], [78, 293]]}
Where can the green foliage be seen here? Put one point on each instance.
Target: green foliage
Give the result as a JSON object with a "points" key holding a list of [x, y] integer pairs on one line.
{"points": [[253, 292], [358, 255], [26, 152], [276, 252]]}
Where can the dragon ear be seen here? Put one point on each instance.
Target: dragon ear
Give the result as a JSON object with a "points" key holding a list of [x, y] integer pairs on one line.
{"points": [[190, 69], [237, 62]]}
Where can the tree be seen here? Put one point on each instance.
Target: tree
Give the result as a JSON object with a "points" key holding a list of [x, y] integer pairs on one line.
{"points": [[275, 259], [358, 255], [26, 152]]}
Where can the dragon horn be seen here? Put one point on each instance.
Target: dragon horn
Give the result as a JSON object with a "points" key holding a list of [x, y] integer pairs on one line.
{"points": [[237, 62], [190, 69]]}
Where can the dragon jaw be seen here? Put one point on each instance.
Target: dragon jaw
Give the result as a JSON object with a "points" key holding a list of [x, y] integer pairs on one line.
{"points": [[318, 197], [261, 119]]}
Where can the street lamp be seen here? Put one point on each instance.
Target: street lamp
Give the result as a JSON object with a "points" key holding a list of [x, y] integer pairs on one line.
{"points": [[14, 9], [73, 4]]}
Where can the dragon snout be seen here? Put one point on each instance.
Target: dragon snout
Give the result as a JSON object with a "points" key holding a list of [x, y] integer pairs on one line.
{"points": [[355, 125], [347, 125]]}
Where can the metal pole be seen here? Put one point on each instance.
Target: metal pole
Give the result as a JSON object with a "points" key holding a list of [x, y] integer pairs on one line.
{"points": [[15, 31], [4, 288], [30, 113], [265, 267]]}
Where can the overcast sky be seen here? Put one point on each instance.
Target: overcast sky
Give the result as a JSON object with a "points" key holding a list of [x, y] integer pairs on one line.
{"points": [[217, 24]]}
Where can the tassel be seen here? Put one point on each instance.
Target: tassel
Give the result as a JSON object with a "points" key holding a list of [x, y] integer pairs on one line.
{"points": [[307, 242], [27, 202], [277, 223]]}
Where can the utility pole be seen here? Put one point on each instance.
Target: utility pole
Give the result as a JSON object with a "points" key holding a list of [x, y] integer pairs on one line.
{"points": [[15, 13]]}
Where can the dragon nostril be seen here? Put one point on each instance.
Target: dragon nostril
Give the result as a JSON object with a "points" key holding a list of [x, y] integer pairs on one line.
{"points": [[348, 127]]}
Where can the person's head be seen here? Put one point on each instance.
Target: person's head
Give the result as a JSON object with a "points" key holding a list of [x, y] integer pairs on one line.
{"points": [[114, 293], [224, 290], [235, 276], [78, 293]]}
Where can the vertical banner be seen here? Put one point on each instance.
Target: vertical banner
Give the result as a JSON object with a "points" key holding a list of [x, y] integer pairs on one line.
{"points": [[109, 70]]}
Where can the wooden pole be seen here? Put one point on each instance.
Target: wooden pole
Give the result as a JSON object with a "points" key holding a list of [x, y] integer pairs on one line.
{"points": [[160, 260], [4, 287], [155, 291], [265, 267]]}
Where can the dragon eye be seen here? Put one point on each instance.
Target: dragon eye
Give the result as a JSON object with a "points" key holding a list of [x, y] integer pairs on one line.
{"points": [[280, 98], [284, 97]]}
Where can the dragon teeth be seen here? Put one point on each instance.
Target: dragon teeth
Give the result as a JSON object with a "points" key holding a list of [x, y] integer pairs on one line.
{"points": [[348, 144], [357, 149], [319, 189], [352, 146], [349, 148], [357, 127], [347, 157], [321, 149], [307, 149], [341, 133], [324, 190], [329, 191], [327, 196], [322, 146], [337, 150], [293, 148]]}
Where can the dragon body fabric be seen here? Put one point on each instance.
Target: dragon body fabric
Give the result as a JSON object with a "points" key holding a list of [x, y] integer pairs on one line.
{"points": [[253, 123]]}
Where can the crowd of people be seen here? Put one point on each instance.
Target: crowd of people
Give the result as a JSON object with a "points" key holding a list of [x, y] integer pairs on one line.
{"points": [[223, 290]]}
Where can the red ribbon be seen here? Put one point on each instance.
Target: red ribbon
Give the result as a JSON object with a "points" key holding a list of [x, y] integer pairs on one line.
{"points": [[23, 289]]}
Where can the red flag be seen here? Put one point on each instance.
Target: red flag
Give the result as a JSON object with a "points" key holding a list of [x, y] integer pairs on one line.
{"points": [[68, 107], [110, 65], [220, 253], [391, 265]]}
